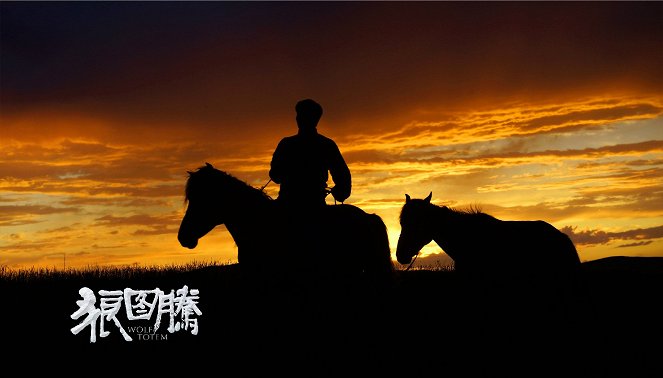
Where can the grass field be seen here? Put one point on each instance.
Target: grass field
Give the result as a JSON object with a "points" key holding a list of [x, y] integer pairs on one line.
{"points": [[428, 322]]}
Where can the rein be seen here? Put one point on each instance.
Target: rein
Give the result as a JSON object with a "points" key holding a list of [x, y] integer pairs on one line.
{"points": [[327, 190], [262, 189], [412, 263]]}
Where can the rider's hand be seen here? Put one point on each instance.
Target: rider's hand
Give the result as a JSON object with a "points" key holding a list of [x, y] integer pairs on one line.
{"points": [[337, 195]]}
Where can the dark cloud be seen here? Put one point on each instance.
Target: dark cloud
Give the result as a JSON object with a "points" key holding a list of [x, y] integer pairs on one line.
{"points": [[135, 220], [116, 246], [587, 237], [148, 225], [234, 68], [113, 201], [17, 221], [643, 162], [157, 230], [100, 189], [97, 161], [593, 237], [64, 150], [61, 229], [15, 215], [31, 246], [637, 244], [7, 199], [633, 202], [639, 234], [618, 149], [605, 114], [371, 156]]}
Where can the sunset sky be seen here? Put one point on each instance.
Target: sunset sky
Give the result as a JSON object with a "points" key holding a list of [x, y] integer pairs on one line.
{"points": [[541, 110]]}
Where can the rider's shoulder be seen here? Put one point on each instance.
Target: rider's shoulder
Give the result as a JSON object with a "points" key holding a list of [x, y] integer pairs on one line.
{"points": [[289, 139], [325, 140], [317, 139]]}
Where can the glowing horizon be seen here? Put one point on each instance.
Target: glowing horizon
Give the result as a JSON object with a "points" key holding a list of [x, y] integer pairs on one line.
{"points": [[94, 162]]}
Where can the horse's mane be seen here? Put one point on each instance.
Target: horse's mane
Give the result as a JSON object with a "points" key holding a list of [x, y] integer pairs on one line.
{"points": [[471, 211], [206, 176]]}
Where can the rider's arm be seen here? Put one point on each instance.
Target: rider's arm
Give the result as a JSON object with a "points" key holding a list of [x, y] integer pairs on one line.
{"points": [[340, 173]]}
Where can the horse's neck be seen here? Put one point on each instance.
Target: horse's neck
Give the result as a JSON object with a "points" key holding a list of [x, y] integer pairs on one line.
{"points": [[445, 225], [247, 221]]}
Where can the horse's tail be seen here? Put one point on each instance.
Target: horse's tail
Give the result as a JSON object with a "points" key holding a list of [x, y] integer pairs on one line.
{"points": [[379, 253], [569, 249]]}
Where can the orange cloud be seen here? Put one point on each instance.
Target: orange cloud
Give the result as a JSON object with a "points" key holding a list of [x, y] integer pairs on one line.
{"points": [[497, 104], [588, 237]]}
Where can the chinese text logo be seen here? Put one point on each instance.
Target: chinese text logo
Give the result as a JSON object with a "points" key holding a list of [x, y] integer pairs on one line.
{"points": [[181, 306]]}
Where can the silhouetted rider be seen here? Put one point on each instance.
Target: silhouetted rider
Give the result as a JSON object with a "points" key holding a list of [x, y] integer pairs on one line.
{"points": [[301, 162]]}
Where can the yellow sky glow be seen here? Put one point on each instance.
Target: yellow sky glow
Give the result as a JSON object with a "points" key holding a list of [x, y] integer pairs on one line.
{"points": [[588, 166], [524, 109]]}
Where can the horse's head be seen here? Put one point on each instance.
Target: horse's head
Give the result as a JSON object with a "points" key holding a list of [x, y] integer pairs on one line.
{"points": [[202, 213], [416, 229]]}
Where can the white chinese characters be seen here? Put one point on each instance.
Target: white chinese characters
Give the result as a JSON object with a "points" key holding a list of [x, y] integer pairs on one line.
{"points": [[181, 306]]}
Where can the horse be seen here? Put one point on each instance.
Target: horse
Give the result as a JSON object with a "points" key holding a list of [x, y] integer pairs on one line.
{"points": [[480, 242], [270, 236], [513, 280]]}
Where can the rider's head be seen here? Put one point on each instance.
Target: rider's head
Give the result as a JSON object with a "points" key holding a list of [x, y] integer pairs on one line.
{"points": [[308, 114]]}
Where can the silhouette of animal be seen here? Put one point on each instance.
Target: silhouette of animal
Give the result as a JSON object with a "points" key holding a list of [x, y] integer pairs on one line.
{"points": [[269, 236], [480, 242]]}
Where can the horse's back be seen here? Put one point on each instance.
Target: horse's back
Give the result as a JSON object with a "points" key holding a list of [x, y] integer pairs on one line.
{"points": [[540, 244], [316, 240], [363, 236], [350, 223], [343, 212]]}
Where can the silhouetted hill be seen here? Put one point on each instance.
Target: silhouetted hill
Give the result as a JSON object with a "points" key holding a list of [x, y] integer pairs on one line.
{"points": [[429, 323], [640, 265]]}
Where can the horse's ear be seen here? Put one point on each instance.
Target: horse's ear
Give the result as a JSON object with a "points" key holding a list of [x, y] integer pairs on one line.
{"points": [[208, 165], [189, 172], [407, 198], [430, 196]]}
